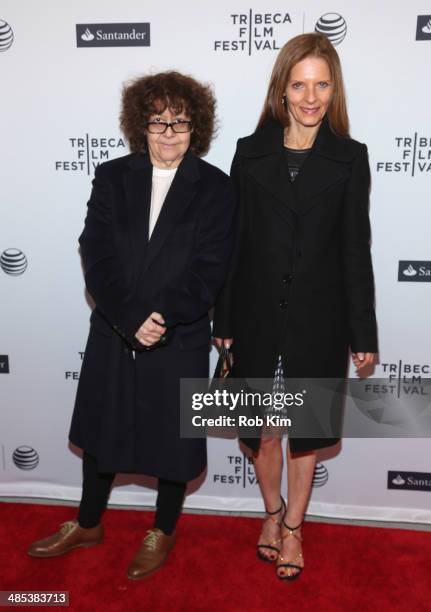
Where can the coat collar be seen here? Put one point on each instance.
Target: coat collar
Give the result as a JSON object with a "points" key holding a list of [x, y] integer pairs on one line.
{"points": [[138, 182], [269, 139], [189, 166], [326, 165]]}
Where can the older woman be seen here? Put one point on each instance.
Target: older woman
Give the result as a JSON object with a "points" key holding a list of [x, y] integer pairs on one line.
{"points": [[155, 249], [300, 290]]}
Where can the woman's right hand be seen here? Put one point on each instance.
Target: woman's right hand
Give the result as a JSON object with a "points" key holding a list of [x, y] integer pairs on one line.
{"points": [[151, 330], [226, 341]]}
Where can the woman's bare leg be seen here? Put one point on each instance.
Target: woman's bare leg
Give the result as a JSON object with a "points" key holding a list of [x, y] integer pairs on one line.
{"points": [[300, 469], [269, 466]]}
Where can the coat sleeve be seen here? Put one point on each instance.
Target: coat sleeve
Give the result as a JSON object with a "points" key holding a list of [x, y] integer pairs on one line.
{"points": [[223, 324], [118, 302], [190, 298], [358, 270]]}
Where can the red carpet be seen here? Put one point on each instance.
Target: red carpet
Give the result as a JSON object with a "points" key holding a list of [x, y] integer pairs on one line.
{"points": [[214, 566]]}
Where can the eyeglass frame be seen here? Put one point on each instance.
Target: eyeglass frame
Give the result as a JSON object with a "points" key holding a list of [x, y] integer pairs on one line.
{"points": [[170, 125]]}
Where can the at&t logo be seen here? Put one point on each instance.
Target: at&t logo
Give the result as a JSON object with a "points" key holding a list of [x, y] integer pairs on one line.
{"points": [[6, 36], [25, 458], [320, 476], [333, 26], [13, 262]]}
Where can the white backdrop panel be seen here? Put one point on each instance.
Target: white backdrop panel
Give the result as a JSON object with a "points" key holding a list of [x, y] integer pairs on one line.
{"points": [[59, 109]]}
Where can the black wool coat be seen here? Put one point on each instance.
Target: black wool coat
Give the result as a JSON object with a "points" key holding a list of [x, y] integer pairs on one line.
{"points": [[127, 405], [300, 283]]}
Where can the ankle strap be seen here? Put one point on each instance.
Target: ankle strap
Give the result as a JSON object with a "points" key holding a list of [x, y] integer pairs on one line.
{"points": [[283, 505], [293, 528]]}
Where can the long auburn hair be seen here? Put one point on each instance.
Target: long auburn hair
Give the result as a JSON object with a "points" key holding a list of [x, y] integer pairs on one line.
{"points": [[294, 51]]}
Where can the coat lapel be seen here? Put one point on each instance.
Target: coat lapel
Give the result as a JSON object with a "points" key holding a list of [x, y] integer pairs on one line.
{"points": [[137, 184], [326, 165], [184, 187], [272, 174], [268, 167]]}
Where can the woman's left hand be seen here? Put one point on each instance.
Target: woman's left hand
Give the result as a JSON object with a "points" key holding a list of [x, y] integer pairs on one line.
{"points": [[151, 330], [363, 360]]}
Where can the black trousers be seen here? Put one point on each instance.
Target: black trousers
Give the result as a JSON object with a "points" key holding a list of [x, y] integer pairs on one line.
{"points": [[96, 488]]}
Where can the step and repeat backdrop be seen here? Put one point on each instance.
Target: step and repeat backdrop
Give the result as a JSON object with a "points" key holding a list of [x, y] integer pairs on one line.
{"points": [[62, 66]]}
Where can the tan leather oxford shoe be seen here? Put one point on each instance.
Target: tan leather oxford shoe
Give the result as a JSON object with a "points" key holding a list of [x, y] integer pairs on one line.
{"points": [[152, 554], [69, 536]]}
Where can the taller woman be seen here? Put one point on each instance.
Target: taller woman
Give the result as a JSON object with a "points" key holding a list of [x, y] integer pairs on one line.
{"points": [[300, 291]]}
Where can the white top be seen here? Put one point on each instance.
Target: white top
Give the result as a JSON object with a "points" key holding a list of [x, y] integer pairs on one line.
{"points": [[162, 180]]}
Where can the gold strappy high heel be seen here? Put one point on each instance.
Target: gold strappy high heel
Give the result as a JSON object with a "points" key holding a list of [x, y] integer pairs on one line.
{"points": [[272, 544], [293, 563]]}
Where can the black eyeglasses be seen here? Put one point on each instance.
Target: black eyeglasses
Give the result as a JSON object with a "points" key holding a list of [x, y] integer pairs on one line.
{"points": [[179, 127]]}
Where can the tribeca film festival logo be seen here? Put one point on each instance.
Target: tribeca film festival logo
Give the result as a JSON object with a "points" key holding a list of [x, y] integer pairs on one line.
{"points": [[6, 36], [401, 378], [13, 262], [239, 471], [113, 35], [423, 28], [256, 32], [89, 152], [399, 396], [333, 26], [74, 374], [25, 458], [414, 156], [4, 364], [414, 271], [413, 481]]}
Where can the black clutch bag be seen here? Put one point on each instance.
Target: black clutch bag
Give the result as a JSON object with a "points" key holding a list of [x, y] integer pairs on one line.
{"points": [[222, 370]]}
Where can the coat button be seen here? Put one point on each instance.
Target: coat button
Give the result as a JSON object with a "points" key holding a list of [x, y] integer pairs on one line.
{"points": [[287, 279], [299, 253], [283, 304]]}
